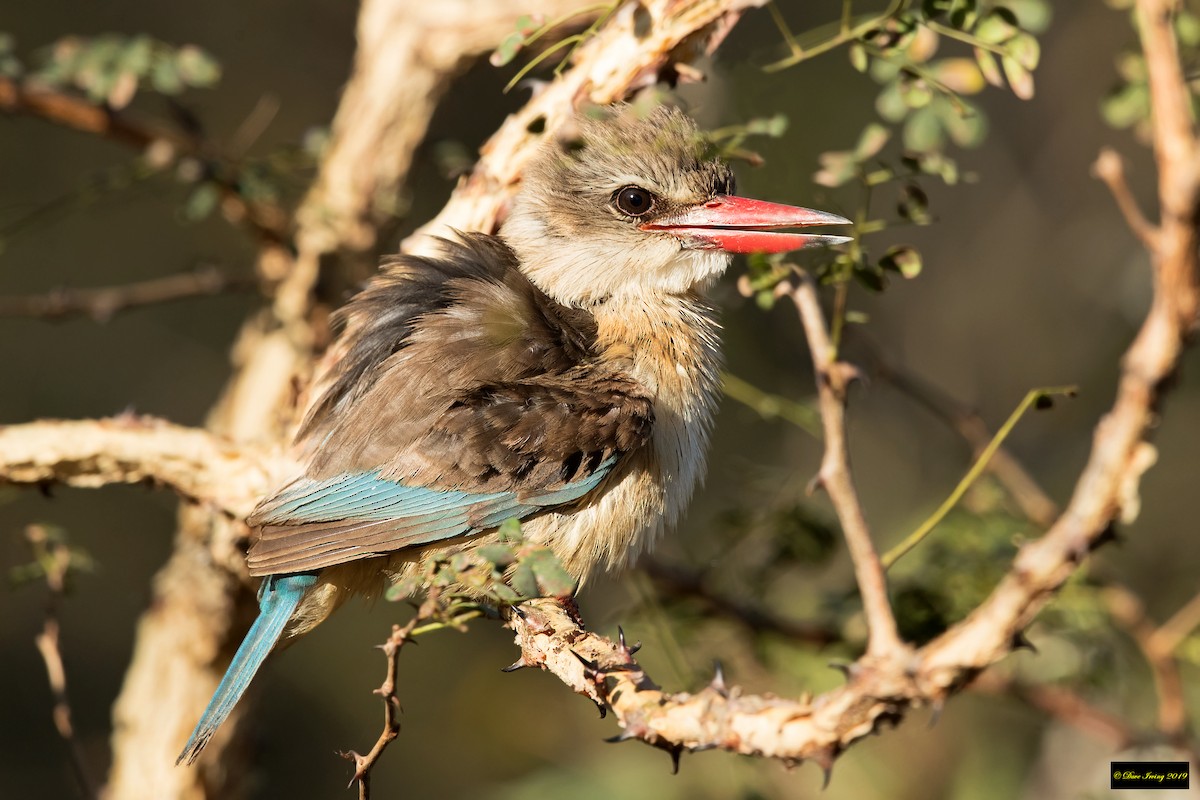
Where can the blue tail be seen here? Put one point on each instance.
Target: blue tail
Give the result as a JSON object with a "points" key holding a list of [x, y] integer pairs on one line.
{"points": [[277, 600]]}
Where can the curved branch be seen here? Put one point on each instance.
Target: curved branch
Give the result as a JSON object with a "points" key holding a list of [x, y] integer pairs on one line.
{"points": [[628, 53], [880, 689], [199, 465]]}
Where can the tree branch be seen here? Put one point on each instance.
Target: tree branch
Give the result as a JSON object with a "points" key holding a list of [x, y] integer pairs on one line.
{"points": [[55, 559], [102, 303], [163, 143], [1031, 499], [880, 690], [198, 465], [833, 379], [641, 40]]}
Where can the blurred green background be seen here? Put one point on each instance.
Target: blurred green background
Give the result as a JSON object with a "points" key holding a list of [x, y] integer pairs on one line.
{"points": [[1030, 279]]}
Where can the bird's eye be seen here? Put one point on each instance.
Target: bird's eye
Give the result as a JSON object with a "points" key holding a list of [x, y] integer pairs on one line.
{"points": [[633, 200]]}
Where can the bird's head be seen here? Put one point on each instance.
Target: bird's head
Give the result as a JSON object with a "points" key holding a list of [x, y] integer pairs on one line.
{"points": [[637, 203]]}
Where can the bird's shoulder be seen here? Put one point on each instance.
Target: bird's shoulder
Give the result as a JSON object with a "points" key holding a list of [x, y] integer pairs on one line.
{"points": [[459, 372]]}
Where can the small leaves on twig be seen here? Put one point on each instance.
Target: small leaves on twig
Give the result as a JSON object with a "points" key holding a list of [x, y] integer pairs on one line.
{"points": [[112, 68]]}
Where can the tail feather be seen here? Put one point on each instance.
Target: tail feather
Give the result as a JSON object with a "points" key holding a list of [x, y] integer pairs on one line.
{"points": [[278, 599]]}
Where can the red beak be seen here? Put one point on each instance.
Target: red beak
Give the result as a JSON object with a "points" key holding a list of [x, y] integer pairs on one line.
{"points": [[741, 225]]}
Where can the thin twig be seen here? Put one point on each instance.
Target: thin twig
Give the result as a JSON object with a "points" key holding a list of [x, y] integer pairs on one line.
{"points": [[55, 557], [391, 700], [981, 463], [1063, 704], [771, 406], [1110, 168], [833, 379], [1025, 491], [1171, 633], [164, 143], [682, 582], [102, 303], [1127, 611]]}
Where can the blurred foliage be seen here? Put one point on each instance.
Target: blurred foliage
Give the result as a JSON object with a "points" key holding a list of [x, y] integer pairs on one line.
{"points": [[1128, 102], [505, 572], [530, 29], [112, 68], [55, 557]]}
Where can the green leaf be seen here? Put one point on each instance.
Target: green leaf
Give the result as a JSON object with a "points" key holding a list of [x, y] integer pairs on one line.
{"points": [[402, 589], [890, 104], [524, 581], [1187, 27], [196, 67], [903, 259], [871, 141], [165, 77], [138, 56], [499, 554], [967, 125], [774, 127], [504, 593], [837, 168], [1025, 50], [510, 530], [1126, 107], [915, 92], [507, 50], [989, 67], [998, 26], [202, 202], [552, 579], [858, 57], [1019, 78], [960, 75], [1034, 15], [923, 131]]}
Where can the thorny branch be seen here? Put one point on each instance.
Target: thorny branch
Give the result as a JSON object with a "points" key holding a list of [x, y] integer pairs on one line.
{"points": [[401, 634], [878, 690]]}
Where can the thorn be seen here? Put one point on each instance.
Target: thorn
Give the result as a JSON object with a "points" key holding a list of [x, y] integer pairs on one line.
{"points": [[718, 680], [516, 665], [624, 736], [626, 650], [603, 708], [589, 666], [824, 759], [1107, 536], [813, 485], [675, 751], [846, 668], [1021, 642], [937, 706]]}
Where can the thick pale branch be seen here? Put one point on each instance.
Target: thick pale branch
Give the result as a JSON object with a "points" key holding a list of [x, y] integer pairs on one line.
{"points": [[134, 449], [628, 53]]}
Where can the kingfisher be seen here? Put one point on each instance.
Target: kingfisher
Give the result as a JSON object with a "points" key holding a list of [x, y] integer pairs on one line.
{"points": [[564, 373]]}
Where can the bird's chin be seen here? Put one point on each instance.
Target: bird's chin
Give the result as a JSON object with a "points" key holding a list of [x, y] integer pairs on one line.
{"points": [[695, 270]]}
